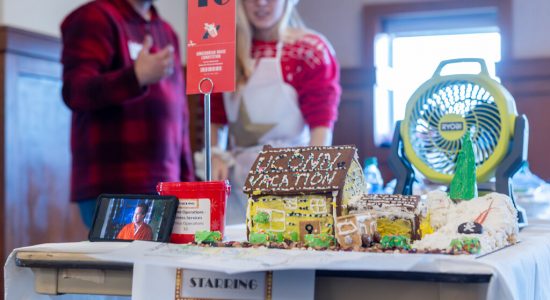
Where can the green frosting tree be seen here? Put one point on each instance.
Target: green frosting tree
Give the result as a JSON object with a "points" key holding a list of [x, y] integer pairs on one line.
{"points": [[464, 185]]}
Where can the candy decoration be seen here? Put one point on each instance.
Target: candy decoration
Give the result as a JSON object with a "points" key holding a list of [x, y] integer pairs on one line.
{"points": [[321, 240], [471, 245], [366, 240], [464, 185], [483, 215], [470, 228], [456, 245], [276, 237], [395, 241], [264, 237], [258, 238], [205, 236], [467, 244], [292, 236]]}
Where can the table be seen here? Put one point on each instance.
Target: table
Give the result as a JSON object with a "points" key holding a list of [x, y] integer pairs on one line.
{"points": [[518, 272]]}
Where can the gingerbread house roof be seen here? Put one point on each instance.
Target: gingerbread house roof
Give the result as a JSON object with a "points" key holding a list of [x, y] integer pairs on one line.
{"points": [[383, 202], [299, 170]]}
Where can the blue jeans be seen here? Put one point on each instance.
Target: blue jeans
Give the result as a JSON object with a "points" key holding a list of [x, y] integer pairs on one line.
{"points": [[87, 210]]}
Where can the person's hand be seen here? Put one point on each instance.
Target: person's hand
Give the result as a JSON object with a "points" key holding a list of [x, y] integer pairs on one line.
{"points": [[220, 169], [152, 67]]}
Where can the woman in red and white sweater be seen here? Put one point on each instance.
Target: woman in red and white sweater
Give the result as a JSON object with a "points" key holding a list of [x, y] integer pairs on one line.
{"points": [[287, 93]]}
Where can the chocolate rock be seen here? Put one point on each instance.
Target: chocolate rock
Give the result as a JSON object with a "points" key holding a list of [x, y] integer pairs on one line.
{"points": [[470, 228], [366, 240], [376, 237]]}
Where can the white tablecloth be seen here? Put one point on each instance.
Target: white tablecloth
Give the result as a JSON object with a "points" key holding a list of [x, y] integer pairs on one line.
{"points": [[518, 272]]}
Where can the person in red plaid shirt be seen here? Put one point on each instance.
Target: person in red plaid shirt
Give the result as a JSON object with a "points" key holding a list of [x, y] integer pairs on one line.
{"points": [[123, 81]]}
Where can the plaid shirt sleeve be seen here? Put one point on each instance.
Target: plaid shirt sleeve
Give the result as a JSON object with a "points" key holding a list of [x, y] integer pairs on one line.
{"points": [[88, 54]]}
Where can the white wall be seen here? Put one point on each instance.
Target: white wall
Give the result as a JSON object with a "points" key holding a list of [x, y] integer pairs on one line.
{"points": [[45, 16], [531, 23], [175, 12], [340, 22], [42, 16]]}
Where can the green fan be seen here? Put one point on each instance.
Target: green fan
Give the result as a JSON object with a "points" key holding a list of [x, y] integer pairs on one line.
{"points": [[438, 115]]}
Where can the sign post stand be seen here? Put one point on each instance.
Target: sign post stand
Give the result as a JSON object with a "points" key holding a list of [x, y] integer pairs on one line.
{"points": [[207, 140]]}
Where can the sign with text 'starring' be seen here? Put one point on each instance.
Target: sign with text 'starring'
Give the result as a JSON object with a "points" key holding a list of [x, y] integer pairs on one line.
{"points": [[211, 45], [194, 284]]}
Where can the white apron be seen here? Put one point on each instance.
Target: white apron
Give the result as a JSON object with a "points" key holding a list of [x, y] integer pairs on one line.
{"points": [[270, 106]]}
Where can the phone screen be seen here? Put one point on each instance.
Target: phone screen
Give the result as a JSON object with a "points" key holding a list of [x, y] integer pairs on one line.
{"points": [[133, 217]]}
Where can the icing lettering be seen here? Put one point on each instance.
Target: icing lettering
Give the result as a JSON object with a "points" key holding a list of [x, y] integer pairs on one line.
{"points": [[294, 157], [301, 169], [312, 161], [253, 180], [300, 175], [259, 169], [330, 167], [316, 178], [273, 181], [266, 180], [284, 181], [327, 179], [277, 158]]}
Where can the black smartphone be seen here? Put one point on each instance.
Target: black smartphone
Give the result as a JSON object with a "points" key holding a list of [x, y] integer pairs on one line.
{"points": [[133, 217]]}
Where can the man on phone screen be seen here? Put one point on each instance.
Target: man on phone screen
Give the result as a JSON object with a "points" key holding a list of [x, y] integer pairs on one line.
{"points": [[138, 229]]}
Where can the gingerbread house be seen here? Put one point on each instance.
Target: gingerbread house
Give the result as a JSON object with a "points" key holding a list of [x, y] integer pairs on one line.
{"points": [[394, 214], [297, 191]]}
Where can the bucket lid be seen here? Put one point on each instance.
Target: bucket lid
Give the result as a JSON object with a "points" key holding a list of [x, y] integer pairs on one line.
{"points": [[222, 185]]}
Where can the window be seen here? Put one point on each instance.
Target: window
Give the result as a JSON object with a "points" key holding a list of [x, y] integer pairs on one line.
{"points": [[291, 203], [318, 205], [410, 48], [277, 223], [276, 220]]}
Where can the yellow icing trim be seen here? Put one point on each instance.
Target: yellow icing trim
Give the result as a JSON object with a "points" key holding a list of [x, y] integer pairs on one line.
{"points": [[425, 226], [397, 227]]}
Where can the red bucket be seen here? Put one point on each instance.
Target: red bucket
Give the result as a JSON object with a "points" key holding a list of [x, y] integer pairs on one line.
{"points": [[201, 207]]}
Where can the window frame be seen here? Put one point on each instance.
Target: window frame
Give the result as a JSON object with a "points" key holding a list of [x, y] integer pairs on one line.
{"points": [[318, 205], [270, 212], [373, 22], [392, 96]]}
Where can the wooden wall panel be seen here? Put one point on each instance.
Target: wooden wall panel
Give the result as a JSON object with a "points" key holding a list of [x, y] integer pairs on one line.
{"points": [[352, 124], [355, 123], [528, 80], [35, 153]]}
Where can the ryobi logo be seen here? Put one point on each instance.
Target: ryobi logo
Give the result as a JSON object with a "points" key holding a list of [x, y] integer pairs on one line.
{"points": [[452, 127]]}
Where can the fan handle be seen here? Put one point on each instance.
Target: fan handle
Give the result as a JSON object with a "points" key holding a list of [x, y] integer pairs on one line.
{"points": [[480, 61]]}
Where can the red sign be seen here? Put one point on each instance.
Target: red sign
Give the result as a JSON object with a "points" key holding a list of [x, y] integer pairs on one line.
{"points": [[211, 46]]}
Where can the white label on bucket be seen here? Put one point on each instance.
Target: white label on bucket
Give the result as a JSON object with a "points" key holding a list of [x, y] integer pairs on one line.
{"points": [[193, 215]]}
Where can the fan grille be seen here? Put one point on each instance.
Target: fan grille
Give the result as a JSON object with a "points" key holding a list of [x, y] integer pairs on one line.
{"points": [[464, 98]]}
